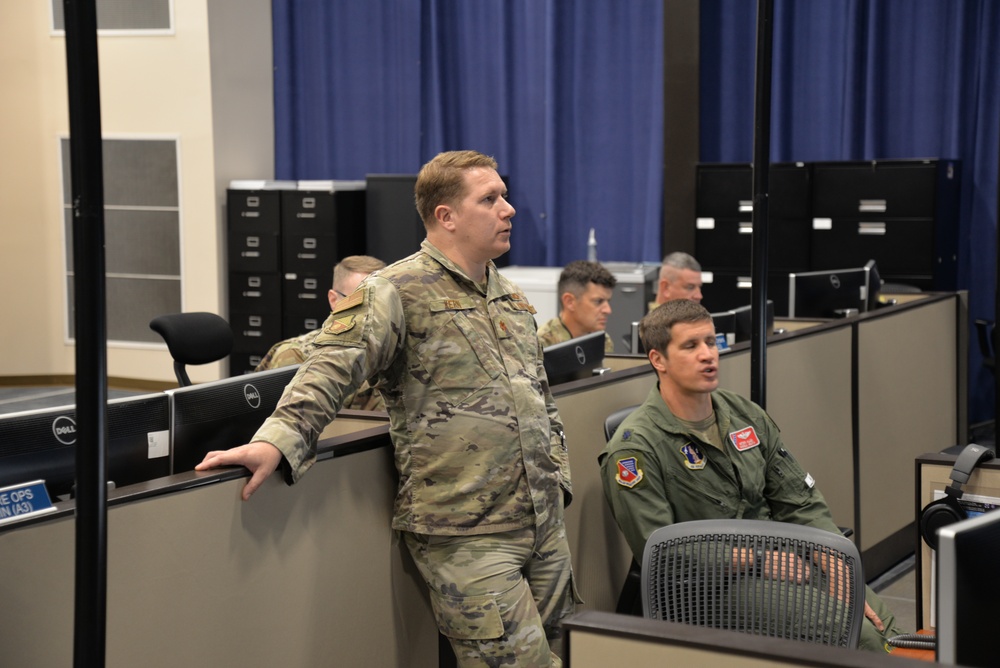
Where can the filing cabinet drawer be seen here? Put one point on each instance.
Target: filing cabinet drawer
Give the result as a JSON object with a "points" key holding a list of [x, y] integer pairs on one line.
{"points": [[254, 293], [253, 253], [726, 191], [899, 247], [255, 332], [726, 244], [901, 189]]}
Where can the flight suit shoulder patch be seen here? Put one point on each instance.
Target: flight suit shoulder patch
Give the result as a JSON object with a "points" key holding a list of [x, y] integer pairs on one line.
{"points": [[629, 473]]}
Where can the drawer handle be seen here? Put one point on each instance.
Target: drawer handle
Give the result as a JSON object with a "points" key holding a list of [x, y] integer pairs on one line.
{"points": [[628, 290], [745, 206], [871, 229], [745, 228], [871, 206]]}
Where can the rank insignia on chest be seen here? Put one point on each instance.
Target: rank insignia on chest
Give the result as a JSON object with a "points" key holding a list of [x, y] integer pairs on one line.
{"points": [[745, 439], [629, 473], [693, 459]]}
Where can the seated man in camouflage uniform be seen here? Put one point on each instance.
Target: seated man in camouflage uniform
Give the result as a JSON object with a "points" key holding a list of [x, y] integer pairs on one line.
{"points": [[483, 467], [680, 278], [347, 275], [585, 303], [693, 452]]}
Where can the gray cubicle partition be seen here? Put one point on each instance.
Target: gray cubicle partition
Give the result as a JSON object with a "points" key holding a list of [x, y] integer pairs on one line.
{"points": [[312, 574]]}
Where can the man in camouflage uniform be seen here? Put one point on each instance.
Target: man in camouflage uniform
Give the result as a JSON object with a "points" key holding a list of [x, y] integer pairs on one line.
{"points": [[347, 275], [585, 303], [680, 278], [693, 452], [483, 470]]}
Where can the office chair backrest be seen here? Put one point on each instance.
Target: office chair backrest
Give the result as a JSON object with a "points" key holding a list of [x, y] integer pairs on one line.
{"points": [[193, 338], [759, 577], [629, 599], [613, 421]]}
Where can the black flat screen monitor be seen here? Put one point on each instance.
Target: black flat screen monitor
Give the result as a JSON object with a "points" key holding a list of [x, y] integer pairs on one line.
{"points": [[41, 444], [831, 293], [967, 591], [574, 359], [874, 286], [743, 317], [725, 323], [221, 414]]}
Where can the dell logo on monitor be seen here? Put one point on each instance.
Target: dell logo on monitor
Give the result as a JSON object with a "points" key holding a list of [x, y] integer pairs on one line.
{"points": [[252, 395], [580, 355], [64, 429]]}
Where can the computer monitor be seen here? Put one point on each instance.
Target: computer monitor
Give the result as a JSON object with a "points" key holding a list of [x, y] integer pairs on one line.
{"points": [[725, 323], [874, 286], [221, 414], [830, 293], [41, 444], [968, 590], [743, 317], [574, 359]]}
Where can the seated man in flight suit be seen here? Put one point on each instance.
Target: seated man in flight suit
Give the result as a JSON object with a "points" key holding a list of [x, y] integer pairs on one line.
{"points": [[693, 451]]}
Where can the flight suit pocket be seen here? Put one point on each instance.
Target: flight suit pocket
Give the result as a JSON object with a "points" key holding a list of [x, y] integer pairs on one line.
{"points": [[468, 617]]}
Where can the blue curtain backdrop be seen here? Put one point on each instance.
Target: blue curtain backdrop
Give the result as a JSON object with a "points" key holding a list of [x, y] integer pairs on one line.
{"points": [[567, 96], [872, 79]]}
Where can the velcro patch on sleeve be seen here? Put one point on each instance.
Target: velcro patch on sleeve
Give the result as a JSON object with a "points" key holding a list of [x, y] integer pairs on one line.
{"points": [[460, 304], [339, 325], [350, 301]]}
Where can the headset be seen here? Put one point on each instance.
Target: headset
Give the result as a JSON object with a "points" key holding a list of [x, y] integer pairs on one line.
{"points": [[948, 510]]}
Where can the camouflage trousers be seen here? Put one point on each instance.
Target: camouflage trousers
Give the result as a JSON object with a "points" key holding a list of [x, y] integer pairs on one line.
{"points": [[499, 597]]}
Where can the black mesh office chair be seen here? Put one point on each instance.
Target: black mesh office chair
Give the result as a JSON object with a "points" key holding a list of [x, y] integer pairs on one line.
{"points": [[630, 598], [764, 578], [193, 338]]}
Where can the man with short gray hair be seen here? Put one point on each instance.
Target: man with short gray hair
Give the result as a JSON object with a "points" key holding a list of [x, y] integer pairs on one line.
{"points": [[680, 278]]}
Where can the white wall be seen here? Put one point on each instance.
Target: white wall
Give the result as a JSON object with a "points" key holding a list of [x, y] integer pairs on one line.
{"points": [[158, 85]]}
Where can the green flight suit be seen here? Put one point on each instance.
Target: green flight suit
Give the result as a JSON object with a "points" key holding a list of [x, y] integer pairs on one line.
{"points": [[655, 473]]}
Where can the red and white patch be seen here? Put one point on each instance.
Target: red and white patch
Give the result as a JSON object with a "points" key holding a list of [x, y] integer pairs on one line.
{"points": [[745, 439]]}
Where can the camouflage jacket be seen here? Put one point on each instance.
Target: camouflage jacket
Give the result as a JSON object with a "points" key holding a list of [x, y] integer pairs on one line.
{"points": [[295, 351], [478, 441], [554, 331]]}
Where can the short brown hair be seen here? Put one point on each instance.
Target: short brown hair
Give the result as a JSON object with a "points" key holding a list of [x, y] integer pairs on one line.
{"points": [[578, 274], [355, 264], [442, 180], [654, 328]]}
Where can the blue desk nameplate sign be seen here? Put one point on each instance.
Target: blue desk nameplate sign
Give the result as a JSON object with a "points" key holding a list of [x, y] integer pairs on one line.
{"points": [[24, 500]]}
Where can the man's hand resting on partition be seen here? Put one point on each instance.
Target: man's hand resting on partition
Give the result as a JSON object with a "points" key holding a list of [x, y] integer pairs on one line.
{"points": [[260, 457]]}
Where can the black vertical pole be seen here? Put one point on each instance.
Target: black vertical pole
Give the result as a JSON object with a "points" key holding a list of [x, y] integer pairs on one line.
{"points": [[86, 170], [761, 165], [995, 333]]}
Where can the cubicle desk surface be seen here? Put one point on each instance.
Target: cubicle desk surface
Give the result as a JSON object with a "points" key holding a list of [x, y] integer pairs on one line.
{"points": [[933, 473], [189, 563], [598, 639]]}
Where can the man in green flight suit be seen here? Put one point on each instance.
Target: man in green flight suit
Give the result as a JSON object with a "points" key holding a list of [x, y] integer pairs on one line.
{"points": [[452, 347], [693, 451]]}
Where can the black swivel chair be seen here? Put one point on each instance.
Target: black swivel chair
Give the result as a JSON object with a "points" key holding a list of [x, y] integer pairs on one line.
{"points": [[193, 338], [630, 598]]}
